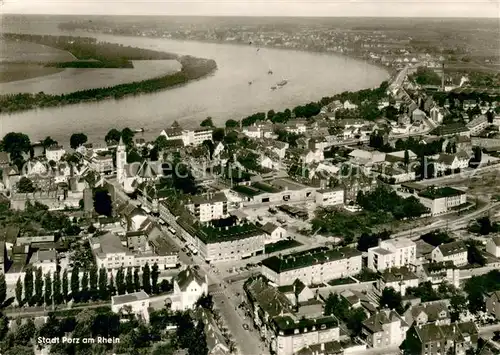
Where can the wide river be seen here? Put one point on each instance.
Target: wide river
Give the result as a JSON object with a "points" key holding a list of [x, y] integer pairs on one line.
{"points": [[225, 95]]}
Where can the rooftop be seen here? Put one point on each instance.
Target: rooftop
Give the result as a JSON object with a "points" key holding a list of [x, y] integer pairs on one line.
{"points": [[398, 274], [434, 193], [208, 198], [308, 258], [187, 276], [130, 297], [209, 234], [453, 248]]}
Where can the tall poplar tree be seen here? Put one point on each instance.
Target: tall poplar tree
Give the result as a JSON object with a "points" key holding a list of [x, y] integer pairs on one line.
{"points": [[120, 281], [137, 280], [93, 279], [103, 284], [56, 287], [75, 283], [65, 288], [48, 289], [28, 285], [129, 281], [19, 292], [146, 279], [39, 286], [154, 277]]}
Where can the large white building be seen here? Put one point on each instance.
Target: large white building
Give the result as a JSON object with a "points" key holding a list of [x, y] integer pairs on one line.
{"points": [[392, 253], [196, 137], [110, 253], [477, 125], [208, 207], [441, 200], [189, 286], [313, 266], [137, 303], [330, 197], [455, 252], [54, 153]]}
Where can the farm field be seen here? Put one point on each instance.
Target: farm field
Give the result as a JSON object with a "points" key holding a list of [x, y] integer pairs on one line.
{"points": [[75, 79], [17, 71], [21, 60]]}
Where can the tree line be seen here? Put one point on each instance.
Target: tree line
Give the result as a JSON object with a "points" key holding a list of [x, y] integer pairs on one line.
{"points": [[366, 99], [103, 54], [92, 285]]}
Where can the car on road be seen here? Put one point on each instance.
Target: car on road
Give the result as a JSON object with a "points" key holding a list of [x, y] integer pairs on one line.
{"points": [[188, 254]]}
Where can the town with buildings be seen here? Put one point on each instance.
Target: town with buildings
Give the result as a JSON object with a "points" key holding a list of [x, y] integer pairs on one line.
{"points": [[363, 223]]}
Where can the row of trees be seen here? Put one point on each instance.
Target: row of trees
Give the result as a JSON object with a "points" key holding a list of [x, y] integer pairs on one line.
{"points": [[38, 289], [367, 100]]}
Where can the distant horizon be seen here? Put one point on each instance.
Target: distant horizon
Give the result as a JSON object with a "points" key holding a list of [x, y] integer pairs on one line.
{"points": [[257, 16], [260, 8]]}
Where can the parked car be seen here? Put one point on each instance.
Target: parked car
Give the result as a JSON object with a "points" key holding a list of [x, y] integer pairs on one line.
{"points": [[245, 326]]}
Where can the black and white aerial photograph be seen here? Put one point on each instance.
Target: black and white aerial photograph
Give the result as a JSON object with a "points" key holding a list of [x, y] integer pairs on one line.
{"points": [[250, 177]]}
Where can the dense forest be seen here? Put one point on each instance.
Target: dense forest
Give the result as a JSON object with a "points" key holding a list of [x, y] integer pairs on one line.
{"points": [[93, 54], [87, 48]]}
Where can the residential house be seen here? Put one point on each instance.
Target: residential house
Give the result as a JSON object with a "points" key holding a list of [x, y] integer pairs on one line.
{"points": [[46, 260], [398, 278], [313, 266], [189, 286], [349, 106], [418, 115], [54, 153], [392, 253], [431, 339], [216, 342], [136, 303], [493, 246], [435, 312], [437, 114], [172, 133], [297, 292], [274, 232], [439, 273], [451, 162], [4, 160], [312, 156], [455, 252], [384, 329]]}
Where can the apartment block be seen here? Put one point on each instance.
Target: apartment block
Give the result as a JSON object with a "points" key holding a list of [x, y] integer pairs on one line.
{"points": [[313, 266], [392, 253]]}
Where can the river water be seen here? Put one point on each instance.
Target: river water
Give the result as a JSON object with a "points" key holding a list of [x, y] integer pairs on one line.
{"points": [[224, 95]]}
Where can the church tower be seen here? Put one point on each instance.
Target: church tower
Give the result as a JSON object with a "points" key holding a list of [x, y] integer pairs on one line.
{"points": [[121, 161]]}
